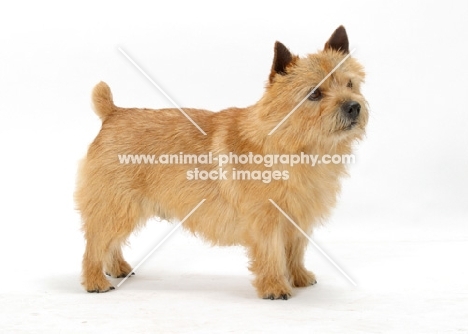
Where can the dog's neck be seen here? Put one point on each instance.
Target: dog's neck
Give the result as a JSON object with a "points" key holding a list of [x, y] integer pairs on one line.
{"points": [[281, 141]]}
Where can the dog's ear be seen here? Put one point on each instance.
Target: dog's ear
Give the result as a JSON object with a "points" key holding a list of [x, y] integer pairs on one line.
{"points": [[282, 59], [338, 41]]}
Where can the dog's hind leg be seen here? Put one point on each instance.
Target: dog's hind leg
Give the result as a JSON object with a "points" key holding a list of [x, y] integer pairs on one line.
{"points": [[104, 238], [97, 249], [299, 276], [115, 265]]}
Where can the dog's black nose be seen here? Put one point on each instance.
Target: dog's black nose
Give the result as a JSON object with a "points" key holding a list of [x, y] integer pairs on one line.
{"points": [[351, 109]]}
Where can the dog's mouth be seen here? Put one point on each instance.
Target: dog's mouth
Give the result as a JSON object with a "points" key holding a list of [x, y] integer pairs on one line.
{"points": [[352, 125]]}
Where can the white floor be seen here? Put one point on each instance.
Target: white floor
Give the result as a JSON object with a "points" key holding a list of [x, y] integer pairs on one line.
{"points": [[414, 283]]}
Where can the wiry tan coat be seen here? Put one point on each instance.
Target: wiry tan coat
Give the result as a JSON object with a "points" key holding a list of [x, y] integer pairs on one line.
{"points": [[114, 199]]}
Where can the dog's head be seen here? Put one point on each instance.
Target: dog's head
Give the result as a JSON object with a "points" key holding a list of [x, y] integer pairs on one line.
{"points": [[318, 97]]}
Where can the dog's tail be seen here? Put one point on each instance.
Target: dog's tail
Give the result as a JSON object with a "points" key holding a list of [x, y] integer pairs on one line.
{"points": [[102, 100]]}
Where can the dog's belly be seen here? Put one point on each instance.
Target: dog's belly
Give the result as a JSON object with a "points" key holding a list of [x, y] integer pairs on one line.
{"points": [[215, 221]]}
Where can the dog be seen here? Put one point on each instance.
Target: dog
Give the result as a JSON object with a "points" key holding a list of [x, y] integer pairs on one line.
{"points": [[116, 198]]}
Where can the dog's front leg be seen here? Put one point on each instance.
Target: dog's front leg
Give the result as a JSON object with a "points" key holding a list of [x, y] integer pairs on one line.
{"points": [[268, 259]]}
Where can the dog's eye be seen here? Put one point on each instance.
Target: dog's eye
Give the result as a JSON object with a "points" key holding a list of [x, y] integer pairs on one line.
{"points": [[315, 95], [350, 84]]}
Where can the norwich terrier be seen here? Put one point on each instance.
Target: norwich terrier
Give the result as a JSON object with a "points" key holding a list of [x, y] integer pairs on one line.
{"points": [[294, 118]]}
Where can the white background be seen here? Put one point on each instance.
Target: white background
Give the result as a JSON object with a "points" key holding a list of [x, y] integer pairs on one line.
{"points": [[400, 229]]}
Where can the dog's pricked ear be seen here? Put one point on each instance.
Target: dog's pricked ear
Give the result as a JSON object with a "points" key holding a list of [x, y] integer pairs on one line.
{"points": [[282, 59], [338, 41]]}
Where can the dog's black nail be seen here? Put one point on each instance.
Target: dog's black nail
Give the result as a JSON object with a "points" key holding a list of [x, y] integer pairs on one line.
{"points": [[133, 274], [270, 296], [284, 296], [125, 275], [111, 288]]}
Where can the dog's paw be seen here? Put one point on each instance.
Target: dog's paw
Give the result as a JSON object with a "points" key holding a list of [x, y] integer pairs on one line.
{"points": [[97, 284], [122, 275], [99, 288], [272, 296], [119, 269], [273, 288], [301, 277]]}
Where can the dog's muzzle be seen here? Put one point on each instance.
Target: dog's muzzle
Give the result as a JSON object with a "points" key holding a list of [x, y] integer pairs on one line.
{"points": [[351, 110]]}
